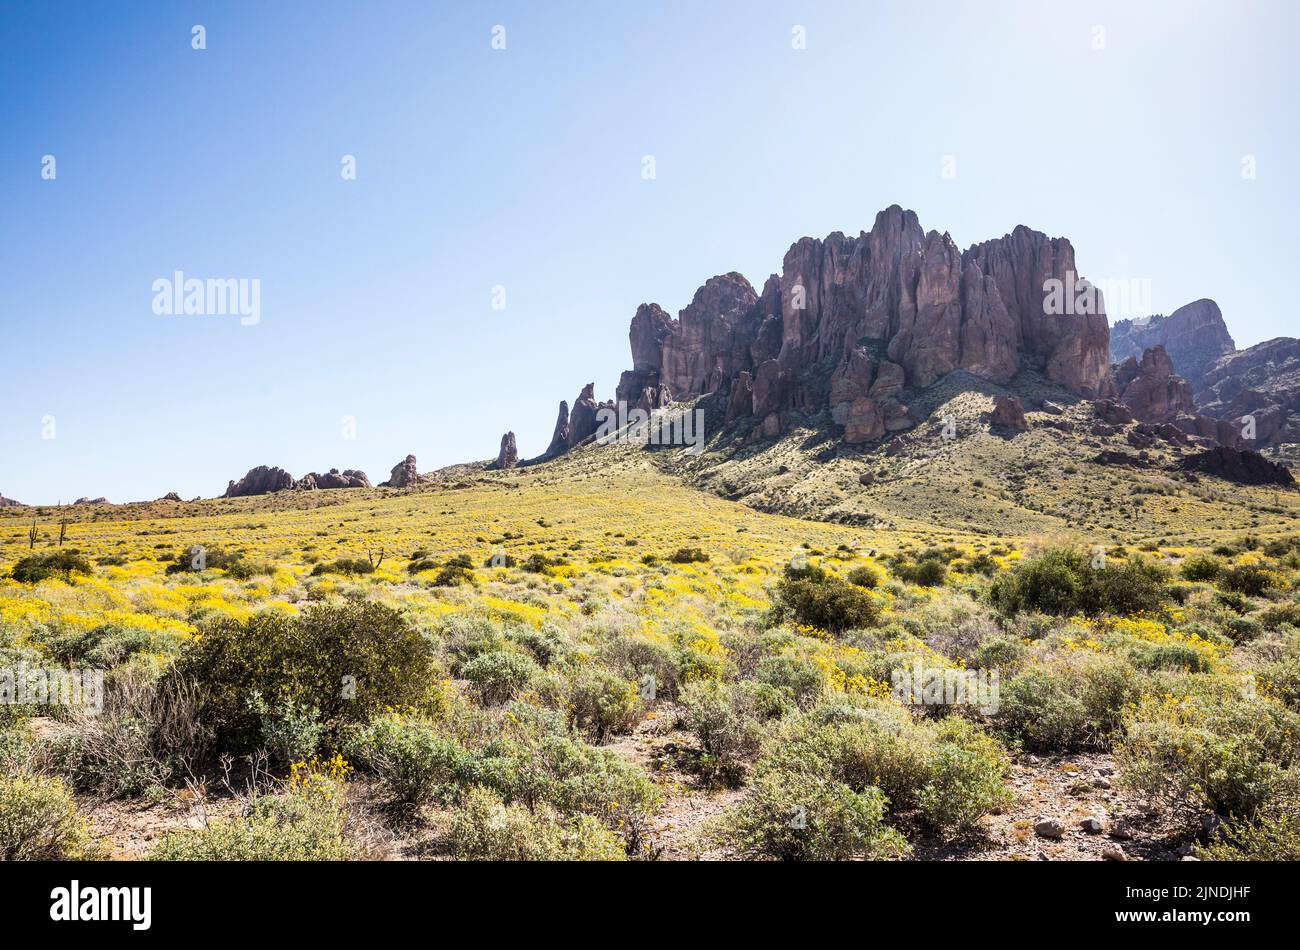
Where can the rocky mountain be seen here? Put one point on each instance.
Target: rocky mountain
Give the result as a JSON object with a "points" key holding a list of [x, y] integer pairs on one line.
{"points": [[9, 502], [1262, 382], [852, 324], [1195, 337]]}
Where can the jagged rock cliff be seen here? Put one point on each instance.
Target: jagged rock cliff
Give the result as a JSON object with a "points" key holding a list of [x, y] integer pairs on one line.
{"points": [[1195, 337]]}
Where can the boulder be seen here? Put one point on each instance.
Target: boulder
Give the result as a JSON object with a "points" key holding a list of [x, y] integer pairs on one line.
{"points": [[404, 474], [1008, 413]]}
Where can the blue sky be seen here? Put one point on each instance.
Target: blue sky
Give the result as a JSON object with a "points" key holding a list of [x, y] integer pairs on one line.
{"points": [[522, 168]]}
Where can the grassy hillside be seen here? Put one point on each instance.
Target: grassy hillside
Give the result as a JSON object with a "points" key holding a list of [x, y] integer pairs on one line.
{"points": [[651, 669]]}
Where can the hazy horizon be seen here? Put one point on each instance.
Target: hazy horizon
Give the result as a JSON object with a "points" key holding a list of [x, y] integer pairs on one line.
{"points": [[522, 168]]}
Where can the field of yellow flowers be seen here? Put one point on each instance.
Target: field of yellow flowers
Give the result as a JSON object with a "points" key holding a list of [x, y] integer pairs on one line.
{"points": [[609, 664]]}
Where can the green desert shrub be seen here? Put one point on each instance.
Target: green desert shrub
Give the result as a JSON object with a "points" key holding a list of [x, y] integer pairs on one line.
{"points": [[534, 761], [1064, 581], [798, 678], [500, 675], [1075, 703], [730, 721], [1040, 707], [821, 600], [105, 646], [804, 816], [291, 732], [688, 556], [1272, 835], [413, 760], [485, 828], [1208, 746], [348, 661], [950, 772], [864, 576], [63, 564], [344, 565], [928, 572], [600, 702], [1252, 580], [39, 821], [1201, 568], [1280, 615]]}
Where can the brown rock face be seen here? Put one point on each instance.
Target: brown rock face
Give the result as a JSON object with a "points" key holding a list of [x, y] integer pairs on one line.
{"points": [[1070, 347], [1008, 413], [170, 496], [261, 480], [9, 502], [508, 457], [348, 478], [1151, 389], [1194, 336], [91, 501], [404, 474], [740, 403], [864, 420], [710, 342], [1239, 465]]}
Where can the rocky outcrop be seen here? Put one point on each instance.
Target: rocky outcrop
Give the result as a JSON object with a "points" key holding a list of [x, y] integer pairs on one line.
{"points": [[1151, 389], [1008, 413], [91, 501], [508, 456], [170, 496], [9, 502], [852, 324], [560, 435], [584, 419], [404, 474], [1238, 465], [1195, 337], [261, 480], [348, 478], [1262, 383]]}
